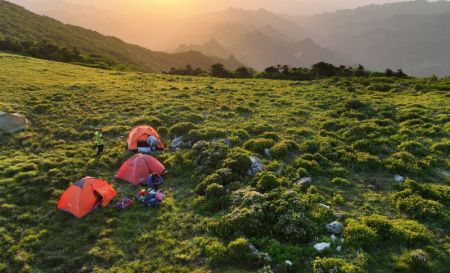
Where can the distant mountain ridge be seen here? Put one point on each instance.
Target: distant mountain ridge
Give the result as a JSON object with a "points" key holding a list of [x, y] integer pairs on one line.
{"points": [[17, 23]]}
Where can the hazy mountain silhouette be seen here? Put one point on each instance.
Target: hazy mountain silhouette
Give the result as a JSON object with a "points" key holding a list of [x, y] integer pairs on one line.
{"points": [[17, 23]]}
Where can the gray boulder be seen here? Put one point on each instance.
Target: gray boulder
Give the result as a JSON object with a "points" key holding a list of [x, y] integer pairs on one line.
{"points": [[320, 247], [304, 181], [399, 178], [267, 152], [334, 227], [257, 166], [177, 142]]}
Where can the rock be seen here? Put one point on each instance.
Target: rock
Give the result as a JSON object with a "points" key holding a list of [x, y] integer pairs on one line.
{"points": [[253, 250], [267, 152], [399, 178], [257, 166], [339, 215], [304, 181], [187, 144], [334, 227], [333, 237], [176, 142], [324, 206], [288, 263], [338, 248], [322, 246], [265, 257]]}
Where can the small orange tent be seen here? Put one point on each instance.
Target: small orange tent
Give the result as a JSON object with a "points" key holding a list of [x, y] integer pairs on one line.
{"points": [[139, 134], [137, 169], [82, 196]]}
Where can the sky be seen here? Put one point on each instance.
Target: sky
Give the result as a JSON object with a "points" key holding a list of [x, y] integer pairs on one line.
{"points": [[188, 7]]}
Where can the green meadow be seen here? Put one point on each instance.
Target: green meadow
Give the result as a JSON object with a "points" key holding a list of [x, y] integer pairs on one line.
{"points": [[351, 136]]}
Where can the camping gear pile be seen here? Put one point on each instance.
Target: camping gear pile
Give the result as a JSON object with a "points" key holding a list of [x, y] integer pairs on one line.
{"points": [[89, 194]]}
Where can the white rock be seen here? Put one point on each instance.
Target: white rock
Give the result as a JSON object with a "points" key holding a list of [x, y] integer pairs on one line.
{"points": [[323, 205], [399, 178], [322, 246], [257, 166], [304, 181], [334, 227], [338, 248], [288, 263], [176, 142], [253, 250], [267, 152], [333, 237]]}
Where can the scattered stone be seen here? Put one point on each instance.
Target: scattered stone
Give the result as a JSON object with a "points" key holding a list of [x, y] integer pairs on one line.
{"points": [[322, 246], [288, 263], [333, 238], [267, 152], [338, 248], [176, 142], [399, 178], [265, 256], [187, 144], [334, 227], [304, 181], [257, 166], [339, 215], [253, 249], [324, 206]]}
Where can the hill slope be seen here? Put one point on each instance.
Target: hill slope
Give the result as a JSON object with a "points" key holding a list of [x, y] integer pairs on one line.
{"points": [[20, 24], [350, 135]]}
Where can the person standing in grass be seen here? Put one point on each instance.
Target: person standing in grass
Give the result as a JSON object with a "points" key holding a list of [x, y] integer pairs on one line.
{"points": [[99, 142], [152, 143]]}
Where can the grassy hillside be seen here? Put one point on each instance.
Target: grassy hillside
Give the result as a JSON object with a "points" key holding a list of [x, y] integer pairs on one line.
{"points": [[19, 24], [350, 135]]}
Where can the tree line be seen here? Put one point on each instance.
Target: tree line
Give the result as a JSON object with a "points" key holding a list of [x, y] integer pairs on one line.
{"points": [[48, 51], [284, 72]]}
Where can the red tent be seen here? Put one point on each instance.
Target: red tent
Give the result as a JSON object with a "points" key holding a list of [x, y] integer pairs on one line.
{"points": [[140, 134], [82, 196], [137, 169]]}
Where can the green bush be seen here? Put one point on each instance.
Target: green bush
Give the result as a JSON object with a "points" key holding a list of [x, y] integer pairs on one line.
{"points": [[413, 147], [267, 181], [418, 207], [403, 162], [442, 147], [181, 129], [341, 181], [383, 87], [206, 134], [216, 252], [208, 155], [414, 261], [283, 149], [295, 226], [239, 251], [334, 265], [358, 234], [239, 162], [258, 145], [271, 135]]}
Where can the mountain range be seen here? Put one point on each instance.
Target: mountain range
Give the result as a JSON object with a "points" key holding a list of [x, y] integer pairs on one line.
{"points": [[411, 35], [19, 24]]}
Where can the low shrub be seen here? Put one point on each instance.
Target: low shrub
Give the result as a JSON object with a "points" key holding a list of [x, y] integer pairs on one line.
{"points": [[283, 149], [206, 134], [208, 155], [414, 261], [334, 265], [238, 162], [267, 181], [417, 207], [239, 251], [403, 162], [442, 147], [413, 147], [295, 226], [216, 252], [341, 181], [258, 145], [181, 129], [358, 234]]}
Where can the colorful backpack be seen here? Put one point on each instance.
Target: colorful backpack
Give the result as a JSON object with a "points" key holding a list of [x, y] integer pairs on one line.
{"points": [[123, 203]]}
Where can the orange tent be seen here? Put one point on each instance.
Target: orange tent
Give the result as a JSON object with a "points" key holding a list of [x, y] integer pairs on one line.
{"points": [[137, 169], [82, 196], [139, 134]]}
